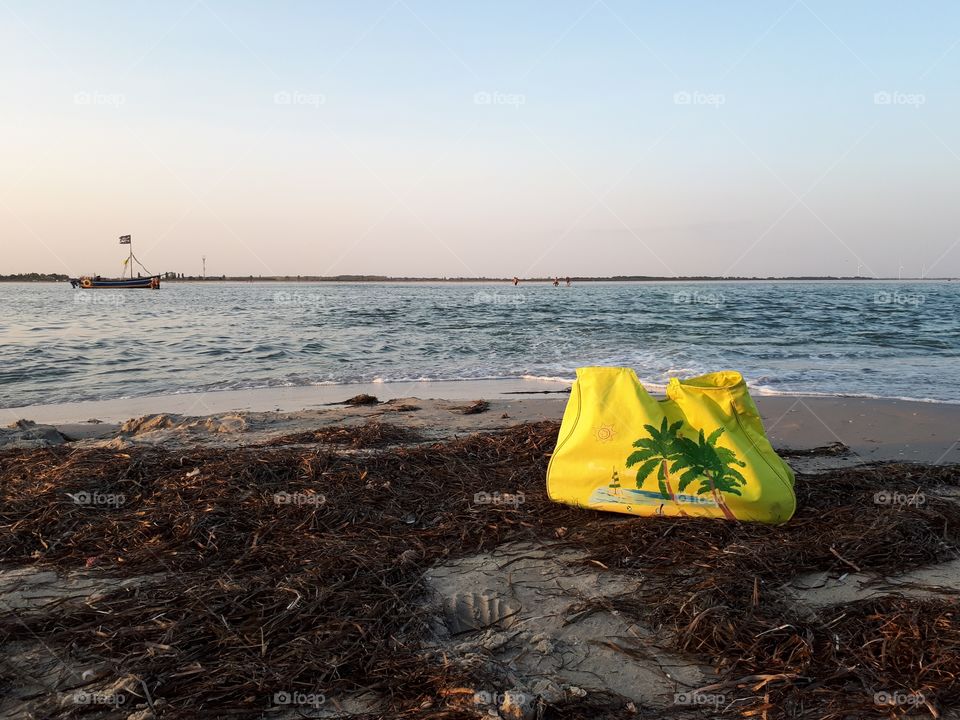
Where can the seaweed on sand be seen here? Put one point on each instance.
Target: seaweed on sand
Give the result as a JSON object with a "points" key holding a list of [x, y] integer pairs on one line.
{"points": [[319, 591], [372, 434]]}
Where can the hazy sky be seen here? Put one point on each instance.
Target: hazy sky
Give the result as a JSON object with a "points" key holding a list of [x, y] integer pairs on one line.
{"points": [[407, 137]]}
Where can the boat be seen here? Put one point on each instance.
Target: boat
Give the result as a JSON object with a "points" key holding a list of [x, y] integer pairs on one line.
{"points": [[144, 282], [151, 282]]}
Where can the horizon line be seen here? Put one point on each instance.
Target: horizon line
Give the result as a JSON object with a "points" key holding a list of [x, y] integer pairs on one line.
{"points": [[350, 277]]}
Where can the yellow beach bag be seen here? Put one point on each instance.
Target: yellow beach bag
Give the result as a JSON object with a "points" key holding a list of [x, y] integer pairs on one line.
{"points": [[701, 452]]}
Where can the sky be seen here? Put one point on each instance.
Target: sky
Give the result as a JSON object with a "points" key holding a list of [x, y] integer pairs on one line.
{"points": [[445, 138]]}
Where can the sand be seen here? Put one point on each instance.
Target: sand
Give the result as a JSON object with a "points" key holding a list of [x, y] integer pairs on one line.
{"points": [[872, 430], [517, 606], [285, 399]]}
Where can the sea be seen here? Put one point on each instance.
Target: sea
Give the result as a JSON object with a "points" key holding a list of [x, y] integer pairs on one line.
{"points": [[857, 338]]}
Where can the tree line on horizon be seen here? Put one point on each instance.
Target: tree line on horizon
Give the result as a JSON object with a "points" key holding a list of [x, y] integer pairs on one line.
{"points": [[59, 277], [35, 277]]}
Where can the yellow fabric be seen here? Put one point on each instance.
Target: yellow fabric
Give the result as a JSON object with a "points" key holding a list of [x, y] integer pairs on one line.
{"points": [[701, 452]]}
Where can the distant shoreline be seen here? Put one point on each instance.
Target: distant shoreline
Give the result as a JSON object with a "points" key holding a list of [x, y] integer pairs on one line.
{"points": [[42, 278]]}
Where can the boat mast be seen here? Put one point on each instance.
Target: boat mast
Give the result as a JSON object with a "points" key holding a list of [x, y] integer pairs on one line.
{"points": [[128, 240]]}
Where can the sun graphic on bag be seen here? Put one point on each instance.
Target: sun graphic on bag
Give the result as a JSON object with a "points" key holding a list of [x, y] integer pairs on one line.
{"points": [[605, 433]]}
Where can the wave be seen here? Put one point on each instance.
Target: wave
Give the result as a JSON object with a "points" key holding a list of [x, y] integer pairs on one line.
{"points": [[652, 387], [841, 340], [766, 391], [546, 378]]}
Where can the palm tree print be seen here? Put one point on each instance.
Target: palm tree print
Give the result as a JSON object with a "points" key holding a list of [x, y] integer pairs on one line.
{"points": [[657, 451], [668, 451], [716, 468]]}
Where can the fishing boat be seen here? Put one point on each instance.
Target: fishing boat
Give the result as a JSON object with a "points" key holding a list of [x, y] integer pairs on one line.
{"points": [[146, 282]]}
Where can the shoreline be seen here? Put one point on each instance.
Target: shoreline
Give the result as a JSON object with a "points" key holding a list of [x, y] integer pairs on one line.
{"points": [[871, 429]]}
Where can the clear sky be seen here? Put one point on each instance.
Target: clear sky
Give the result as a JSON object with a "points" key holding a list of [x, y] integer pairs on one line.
{"points": [[445, 138]]}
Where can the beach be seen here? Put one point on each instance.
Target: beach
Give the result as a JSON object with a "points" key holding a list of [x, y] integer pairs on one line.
{"points": [[479, 361], [414, 567], [873, 429]]}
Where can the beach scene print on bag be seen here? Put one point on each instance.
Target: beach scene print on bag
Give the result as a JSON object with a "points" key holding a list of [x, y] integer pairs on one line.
{"points": [[704, 467]]}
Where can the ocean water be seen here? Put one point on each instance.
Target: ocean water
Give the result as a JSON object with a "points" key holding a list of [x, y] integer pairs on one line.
{"points": [[886, 339]]}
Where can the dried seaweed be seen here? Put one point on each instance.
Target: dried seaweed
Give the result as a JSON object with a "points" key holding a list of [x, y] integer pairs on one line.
{"points": [[361, 399], [320, 589], [475, 408], [369, 435], [831, 450]]}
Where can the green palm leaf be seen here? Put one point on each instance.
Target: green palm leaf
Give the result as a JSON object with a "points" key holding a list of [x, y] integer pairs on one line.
{"points": [[643, 472], [729, 457], [680, 463], [687, 478], [705, 487], [640, 456], [652, 431], [712, 440], [740, 479], [731, 488]]}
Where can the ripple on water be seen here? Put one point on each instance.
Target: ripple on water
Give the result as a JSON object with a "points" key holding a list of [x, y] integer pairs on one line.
{"points": [[785, 337]]}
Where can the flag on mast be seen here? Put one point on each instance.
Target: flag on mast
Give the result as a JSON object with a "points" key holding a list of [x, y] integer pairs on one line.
{"points": [[124, 239]]}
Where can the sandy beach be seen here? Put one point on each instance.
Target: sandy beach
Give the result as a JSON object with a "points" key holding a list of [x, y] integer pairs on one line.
{"points": [[872, 429], [416, 569]]}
